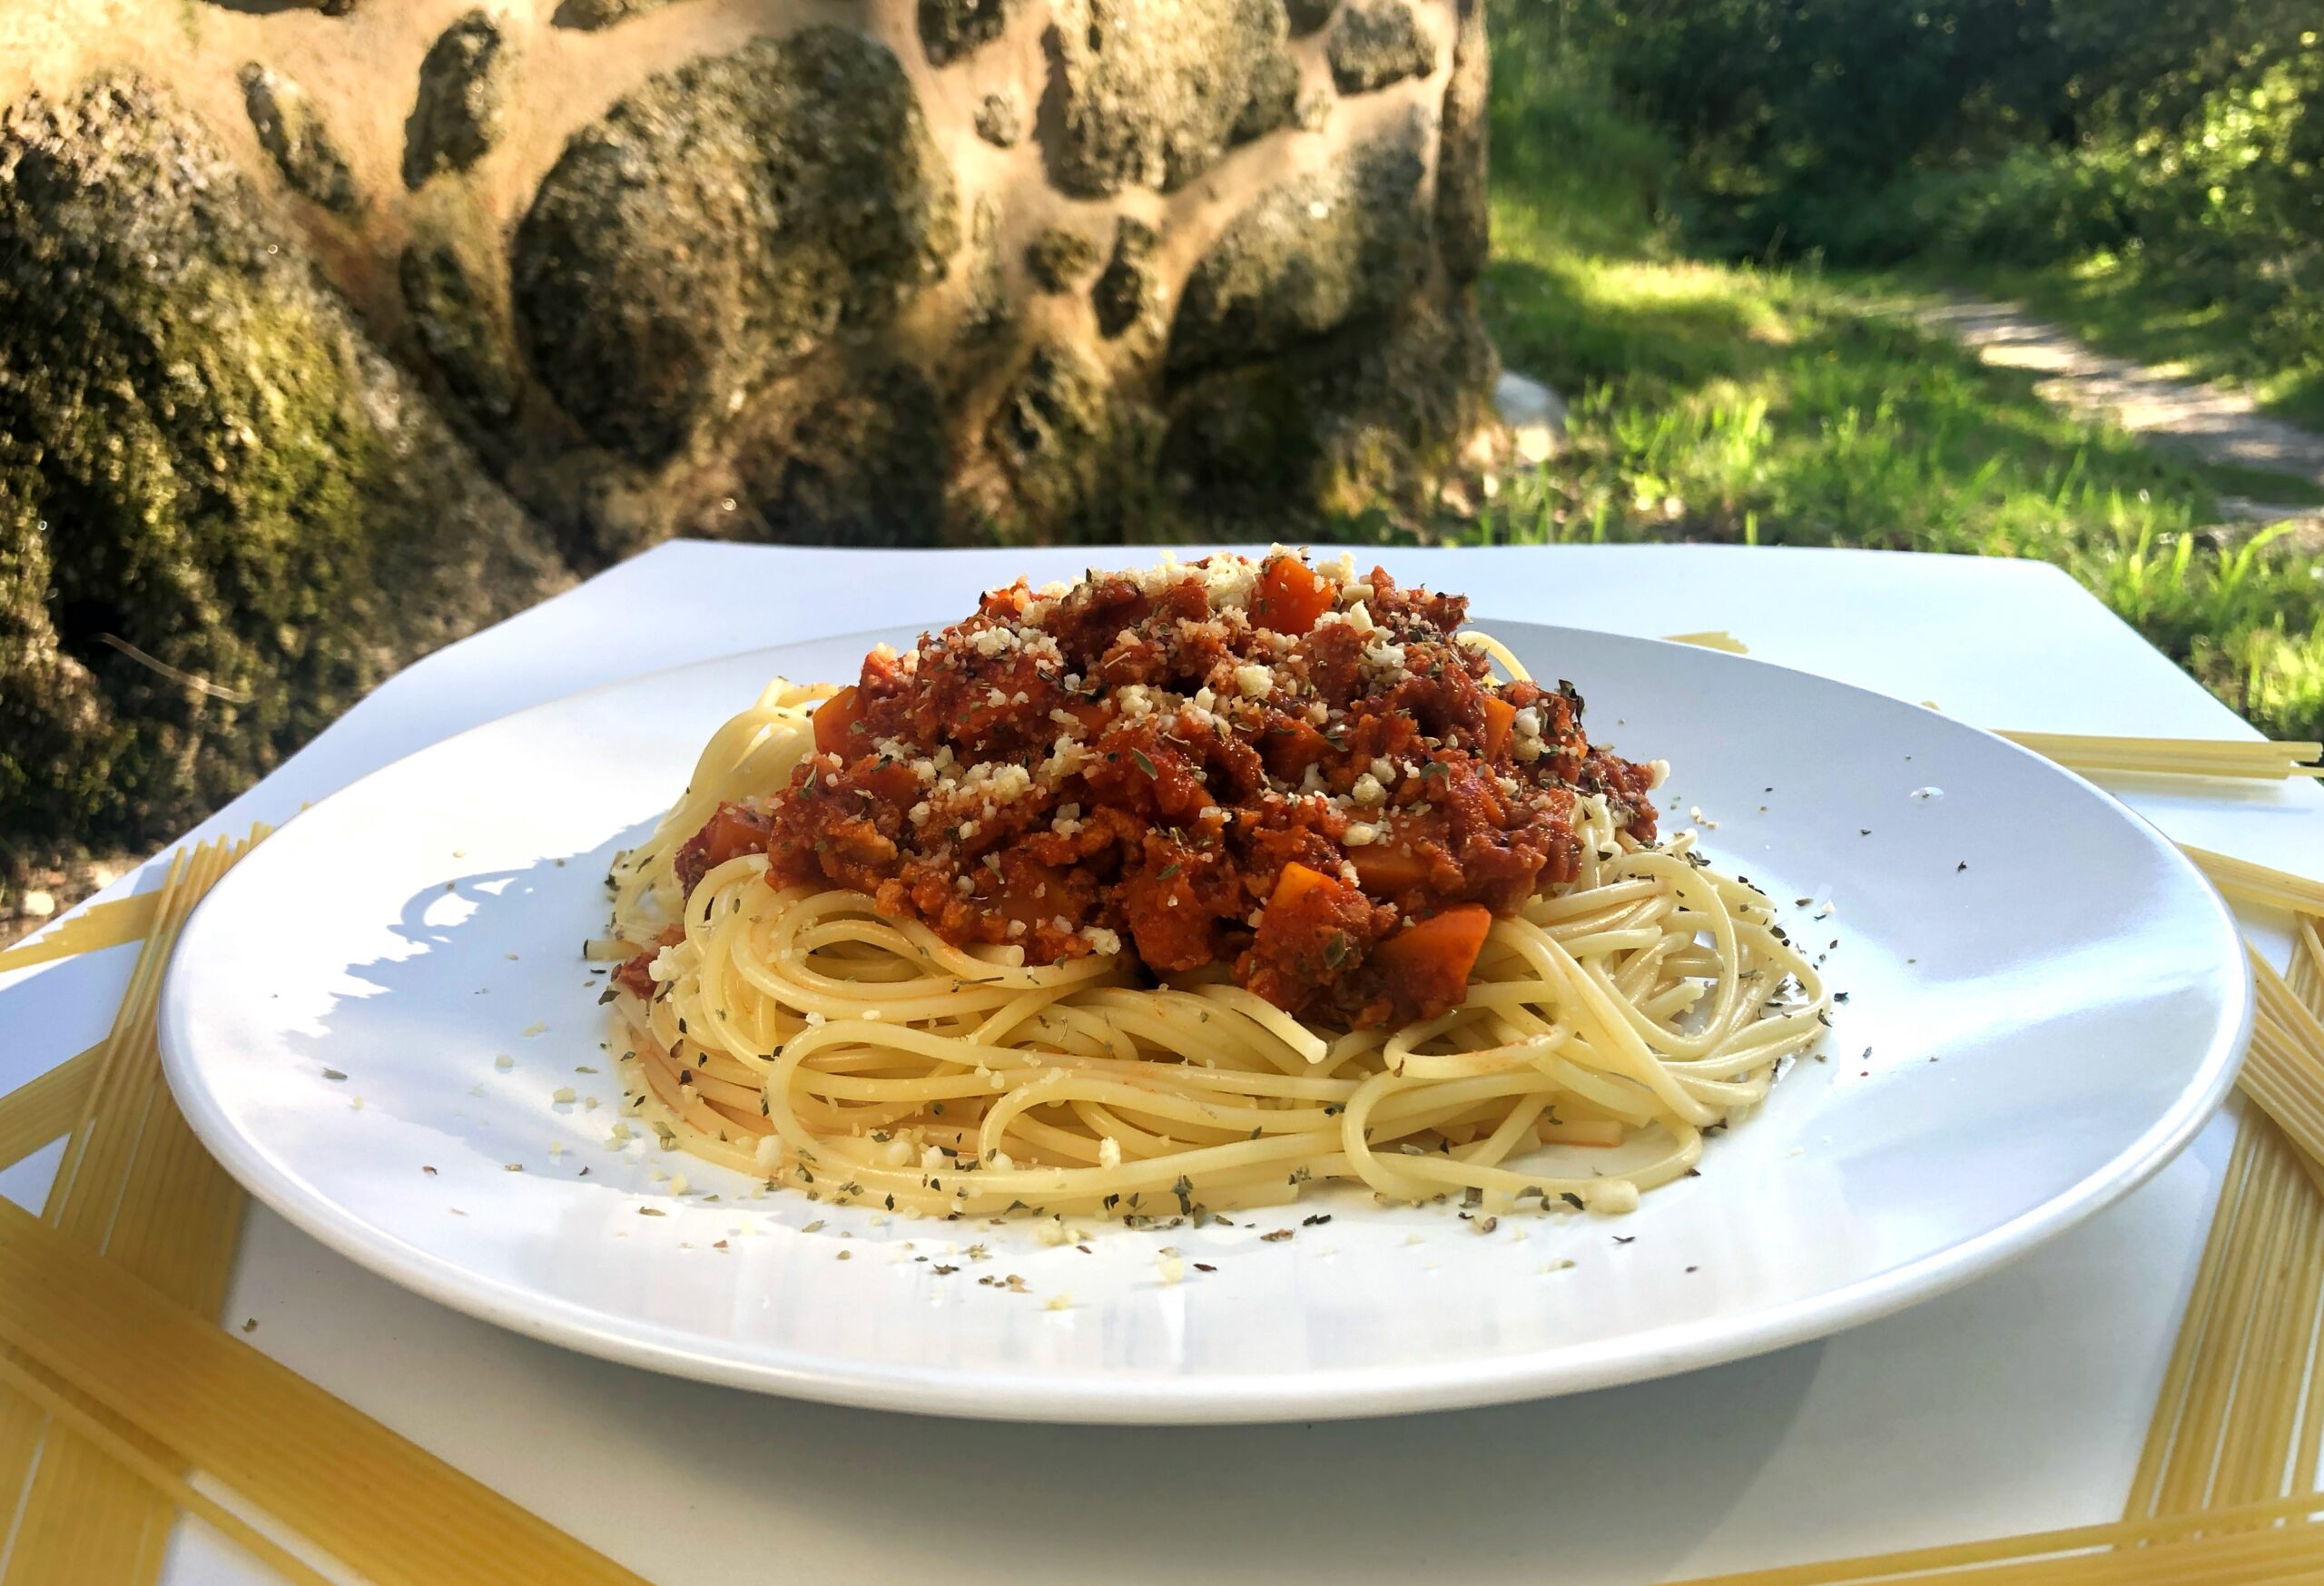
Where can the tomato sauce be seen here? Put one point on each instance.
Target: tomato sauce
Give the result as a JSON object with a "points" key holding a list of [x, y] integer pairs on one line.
{"points": [[1283, 770]]}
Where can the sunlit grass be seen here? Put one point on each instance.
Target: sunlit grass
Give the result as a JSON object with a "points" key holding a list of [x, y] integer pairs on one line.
{"points": [[1732, 403]]}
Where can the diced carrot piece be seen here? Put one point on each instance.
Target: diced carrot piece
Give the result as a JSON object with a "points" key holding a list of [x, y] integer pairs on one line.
{"points": [[1290, 747], [1432, 959], [1296, 881], [833, 718], [732, 831], [1386, 872], [1498, 714], [1290, 596]]}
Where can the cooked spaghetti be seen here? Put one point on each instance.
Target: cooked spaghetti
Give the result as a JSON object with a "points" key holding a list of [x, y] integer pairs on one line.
{"points": [[1179, 890]]}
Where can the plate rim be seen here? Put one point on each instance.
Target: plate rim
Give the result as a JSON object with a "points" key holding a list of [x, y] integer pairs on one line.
{"points": [[1336, 1393]]}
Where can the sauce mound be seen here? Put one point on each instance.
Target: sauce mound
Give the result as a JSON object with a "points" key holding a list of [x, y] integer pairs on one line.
{"points": [[1276, 768]]}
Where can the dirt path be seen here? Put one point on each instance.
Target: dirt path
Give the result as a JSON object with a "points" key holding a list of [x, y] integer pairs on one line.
{"points": [[2215, 425]]}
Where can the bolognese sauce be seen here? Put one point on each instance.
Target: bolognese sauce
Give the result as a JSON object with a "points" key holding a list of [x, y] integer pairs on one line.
{"points": [[1296, 774]]}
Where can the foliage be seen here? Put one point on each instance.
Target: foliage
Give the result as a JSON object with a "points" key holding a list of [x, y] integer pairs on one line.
{"points": [[1786, 404], [2173, 151]]}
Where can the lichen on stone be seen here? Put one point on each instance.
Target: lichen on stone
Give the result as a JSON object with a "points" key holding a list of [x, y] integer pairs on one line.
{"points": [[722, 222], [1307, 256], [1060, 257], [290, 129], [461, 109], [1126, 294], [1463, 208], [999, 119], [456, 330], [231, 482], [950, 29], [1152, 93], [1375, 43]]}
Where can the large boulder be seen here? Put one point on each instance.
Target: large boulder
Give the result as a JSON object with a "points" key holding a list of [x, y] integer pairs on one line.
{"points": [[223, 515]]}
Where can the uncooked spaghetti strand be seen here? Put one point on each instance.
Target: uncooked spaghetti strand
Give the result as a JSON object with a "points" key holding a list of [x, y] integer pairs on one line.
{"points": [[2198, 1326]]}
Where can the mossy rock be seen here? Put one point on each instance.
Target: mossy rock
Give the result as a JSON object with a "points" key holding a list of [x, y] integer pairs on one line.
{"points": [[457, 330], [59, 738], [1308, 256], [234, 486], [1060, 257], [1152, 93], [290, 129], [1126, 294], [1375, 43], [1336, 426], [864, 463], [720, 224], [1463, 207], [950, 29], [461, 110]]}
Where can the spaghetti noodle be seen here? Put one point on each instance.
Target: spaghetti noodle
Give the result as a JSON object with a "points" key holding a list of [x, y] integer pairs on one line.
{"points": [[873, 1049]]}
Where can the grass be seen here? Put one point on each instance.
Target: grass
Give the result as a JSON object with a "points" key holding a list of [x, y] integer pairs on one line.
{"points": [[1737, 403]]}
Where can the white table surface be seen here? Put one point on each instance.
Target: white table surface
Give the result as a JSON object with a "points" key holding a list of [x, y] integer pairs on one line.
{"points": [[2014, 1404]]}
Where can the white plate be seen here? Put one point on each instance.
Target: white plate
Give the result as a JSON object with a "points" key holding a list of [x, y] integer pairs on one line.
{"points": [[2025, 1039]]}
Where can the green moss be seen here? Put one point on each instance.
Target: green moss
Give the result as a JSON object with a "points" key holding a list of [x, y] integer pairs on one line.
{"points": [[720, 224], [231, 484], [458, 331]]}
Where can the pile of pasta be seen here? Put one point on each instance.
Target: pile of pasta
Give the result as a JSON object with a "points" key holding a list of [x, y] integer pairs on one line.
{"points": [[798, 1035]]}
